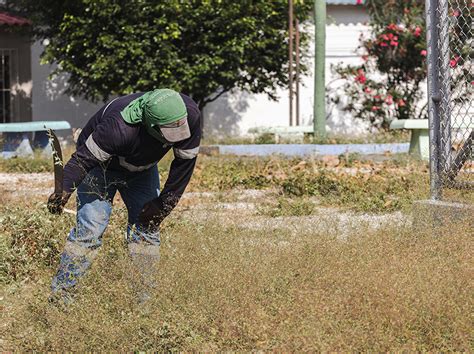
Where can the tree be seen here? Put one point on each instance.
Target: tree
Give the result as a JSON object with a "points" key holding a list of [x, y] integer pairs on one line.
{"points": [[203, 48]]}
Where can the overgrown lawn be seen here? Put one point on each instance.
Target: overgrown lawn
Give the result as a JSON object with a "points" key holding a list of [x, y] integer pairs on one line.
{"points": [[227, 287]]}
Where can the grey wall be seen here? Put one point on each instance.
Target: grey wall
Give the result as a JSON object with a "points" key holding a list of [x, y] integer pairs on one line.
{"points": [[49, 100], [21, 80]]}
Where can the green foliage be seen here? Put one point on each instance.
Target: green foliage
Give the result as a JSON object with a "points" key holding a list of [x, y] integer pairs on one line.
{"points": [[26, 165], [360, 186], [368, 193], [202, 48], [265, 138]]}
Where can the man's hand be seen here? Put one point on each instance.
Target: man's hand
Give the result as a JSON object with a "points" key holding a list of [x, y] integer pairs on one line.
{"points": [[152, 214], [57, 201]]}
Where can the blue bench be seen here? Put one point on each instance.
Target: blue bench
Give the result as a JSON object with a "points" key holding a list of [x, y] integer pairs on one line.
{"points": [[16, 136]]}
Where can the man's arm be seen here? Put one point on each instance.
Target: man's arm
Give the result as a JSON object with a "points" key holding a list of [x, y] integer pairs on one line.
{"points": [[181, 170], [179, 176], [104, 142]]}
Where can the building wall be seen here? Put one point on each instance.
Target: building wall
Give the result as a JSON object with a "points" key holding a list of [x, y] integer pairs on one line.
{"points": [[49, 100], [21, 84]]}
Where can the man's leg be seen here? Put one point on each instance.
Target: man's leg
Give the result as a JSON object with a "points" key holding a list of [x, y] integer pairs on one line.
{"points": [[94, 205], [144, 246]]}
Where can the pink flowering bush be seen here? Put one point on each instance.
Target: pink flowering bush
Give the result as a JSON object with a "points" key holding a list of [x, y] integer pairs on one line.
{"points": [[387, 84]]}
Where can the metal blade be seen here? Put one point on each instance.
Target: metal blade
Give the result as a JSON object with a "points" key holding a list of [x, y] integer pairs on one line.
{"points": [[57, 160]]}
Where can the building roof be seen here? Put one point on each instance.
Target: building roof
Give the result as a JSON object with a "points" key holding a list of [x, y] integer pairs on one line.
{"points": [[343, 2], [11, 20]]}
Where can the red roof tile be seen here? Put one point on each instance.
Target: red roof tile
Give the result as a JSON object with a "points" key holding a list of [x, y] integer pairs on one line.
{"points": [[10, 20]]}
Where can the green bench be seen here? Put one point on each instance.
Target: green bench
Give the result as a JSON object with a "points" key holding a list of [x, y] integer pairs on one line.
{"points": [[17, 136], [419, 142]]}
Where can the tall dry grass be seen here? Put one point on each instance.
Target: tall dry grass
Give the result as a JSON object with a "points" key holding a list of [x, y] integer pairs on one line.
{"points": [[227, 287]]}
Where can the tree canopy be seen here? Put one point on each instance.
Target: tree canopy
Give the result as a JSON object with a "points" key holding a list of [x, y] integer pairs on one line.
{"points": [[202, 48]]}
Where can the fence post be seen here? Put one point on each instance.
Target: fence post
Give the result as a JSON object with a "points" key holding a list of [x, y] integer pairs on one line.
{"points": [[434, 97], [319, 115], [446, 81]]}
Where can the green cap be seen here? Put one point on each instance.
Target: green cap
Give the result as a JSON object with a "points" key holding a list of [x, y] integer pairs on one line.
{"points": [[162, 112], [163, 106]]}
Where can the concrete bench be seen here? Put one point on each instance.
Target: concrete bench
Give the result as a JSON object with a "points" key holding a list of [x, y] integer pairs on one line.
{"points": [[16, 137], [419, 142]]}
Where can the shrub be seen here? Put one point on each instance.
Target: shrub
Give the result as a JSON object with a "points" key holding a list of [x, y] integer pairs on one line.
{"points": [[387, 84]]}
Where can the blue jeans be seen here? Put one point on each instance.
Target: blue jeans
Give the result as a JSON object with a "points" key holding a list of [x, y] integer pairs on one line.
{"points": [[94, 205]]}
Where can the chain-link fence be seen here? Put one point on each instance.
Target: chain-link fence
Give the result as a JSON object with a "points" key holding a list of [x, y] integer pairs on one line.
{"points": [[450, 25]]}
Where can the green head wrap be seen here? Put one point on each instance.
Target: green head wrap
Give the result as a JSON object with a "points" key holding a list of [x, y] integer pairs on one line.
{"points": [[158, 107]]}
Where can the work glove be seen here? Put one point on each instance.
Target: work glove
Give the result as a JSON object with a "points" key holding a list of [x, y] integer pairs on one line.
{"points": [[152, 214], [57, 201]]}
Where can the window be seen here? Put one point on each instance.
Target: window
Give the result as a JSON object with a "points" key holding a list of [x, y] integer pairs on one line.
{"points": [[5, 86]]}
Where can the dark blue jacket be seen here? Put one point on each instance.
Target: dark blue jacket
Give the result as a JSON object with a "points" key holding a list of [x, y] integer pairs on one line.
{"points": [[107, 140]]}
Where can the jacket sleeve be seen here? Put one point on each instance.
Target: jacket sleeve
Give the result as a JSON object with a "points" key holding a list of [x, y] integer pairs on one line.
{"points": [[181, 170], [103, 143]]}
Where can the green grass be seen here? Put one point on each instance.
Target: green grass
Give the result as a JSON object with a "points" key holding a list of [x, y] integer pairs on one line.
{"points": [[349, 182], [26, 165], [383, 187], [381, 137]]}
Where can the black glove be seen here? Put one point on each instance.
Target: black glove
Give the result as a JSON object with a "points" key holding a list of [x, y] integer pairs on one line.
{"points": [[57, 201], [152, 214]]}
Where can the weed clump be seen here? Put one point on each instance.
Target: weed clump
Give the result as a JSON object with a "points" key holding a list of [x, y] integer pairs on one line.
{"points": [[26, 165], [31, 239]]}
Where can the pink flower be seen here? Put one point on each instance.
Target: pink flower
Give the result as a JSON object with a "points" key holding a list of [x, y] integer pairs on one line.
{"points": [[393, 27], [365, 57], [383, 44], [454, 62], [456, 13], [401, 103], [361, 77], [394, 43], [359, 2], [389, 100], [424, 53], [367, 90], [375, 108], [386, 37], [417, 31]]}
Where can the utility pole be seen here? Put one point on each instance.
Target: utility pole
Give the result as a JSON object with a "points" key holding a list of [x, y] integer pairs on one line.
{"points": [[319, 111], [290, 54], [297, 75]]}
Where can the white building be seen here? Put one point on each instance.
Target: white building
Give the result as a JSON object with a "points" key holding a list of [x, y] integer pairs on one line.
{"points": [[232, 114]]}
